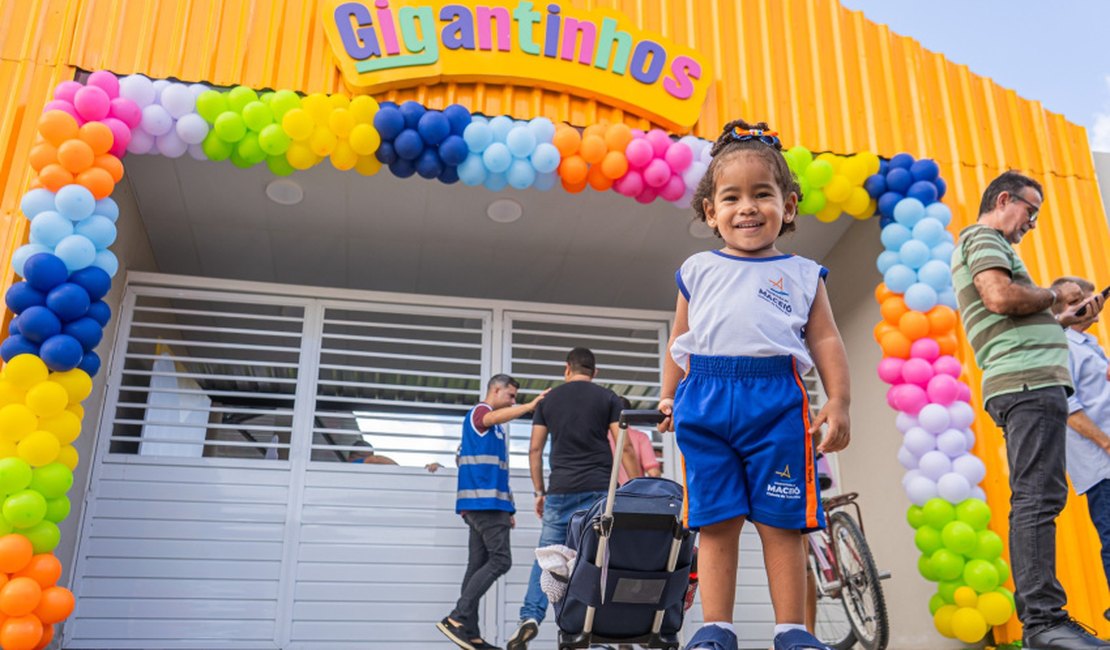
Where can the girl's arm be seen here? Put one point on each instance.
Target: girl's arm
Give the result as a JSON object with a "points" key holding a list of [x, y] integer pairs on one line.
{"points": [[831, 360], [672, 374]]}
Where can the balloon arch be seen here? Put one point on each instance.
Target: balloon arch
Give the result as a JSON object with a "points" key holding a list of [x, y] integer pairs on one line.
{"points": [[68, 264]]}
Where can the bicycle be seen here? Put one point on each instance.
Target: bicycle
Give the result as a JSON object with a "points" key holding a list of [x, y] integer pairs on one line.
{"points": [[850, 604]]}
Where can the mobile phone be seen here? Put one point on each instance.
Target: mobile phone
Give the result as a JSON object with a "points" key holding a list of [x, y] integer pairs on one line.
{"points": [[1083, 310]]}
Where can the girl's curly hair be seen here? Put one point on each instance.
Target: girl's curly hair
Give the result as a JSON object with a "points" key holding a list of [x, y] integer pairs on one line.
{"points": [[727, 146]]}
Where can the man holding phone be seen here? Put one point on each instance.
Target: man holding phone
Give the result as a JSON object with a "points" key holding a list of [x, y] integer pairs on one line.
{"points": [[1022, 350]]}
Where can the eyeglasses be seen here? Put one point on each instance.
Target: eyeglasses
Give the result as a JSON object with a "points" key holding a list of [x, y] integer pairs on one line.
{"points": [[1033, 212], [769, 138]]}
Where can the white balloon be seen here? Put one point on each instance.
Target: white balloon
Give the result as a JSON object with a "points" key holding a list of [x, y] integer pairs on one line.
{"points": [[156, 120], [911, 475], [196, 152], [919, 442], [952, 442], [177, 100], [171, 146], [934, 418], [191, 128], [920, 489], [141, 142], [905, 421], [935, 464], [953, 488], [978, 493], [907, 459], [969, 435], [970, 467], [198, 89], [138, 89], [159, 86], [961, 415]]}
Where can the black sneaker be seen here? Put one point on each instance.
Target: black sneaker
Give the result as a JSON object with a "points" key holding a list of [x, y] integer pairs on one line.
{"points": [[481, 644], [525, 632], [1069, 635], [456, 633], [1106, 614]]}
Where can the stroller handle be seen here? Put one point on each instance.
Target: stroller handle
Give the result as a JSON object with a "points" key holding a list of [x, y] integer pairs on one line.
{"points": [[644, 416]]}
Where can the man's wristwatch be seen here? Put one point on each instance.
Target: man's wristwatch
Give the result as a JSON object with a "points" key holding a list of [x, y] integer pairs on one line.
{"points": [[539, 493]]}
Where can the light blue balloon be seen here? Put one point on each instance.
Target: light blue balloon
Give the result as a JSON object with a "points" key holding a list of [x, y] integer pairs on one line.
{"points": [[546, 158], [920, 297], [908, 212], [496, 182], [936, 274], [899, 277], [543, 128], [23, 253], [521, 174], [472, 171], [481, 119], [500, 125], [886, 260], [36, 201], [477, 136], [100, 231], [76, 251], [107, 207], [940, 212], [521, 141], [929, 231], [107, 261], [894, 235], [545, 181], [914, 253], [48, 228], [497, 158], [942, 252], [948, 298], [75, 202]]}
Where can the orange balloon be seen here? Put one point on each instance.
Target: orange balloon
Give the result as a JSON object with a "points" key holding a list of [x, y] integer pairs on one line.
{"points": [[881, 328], [566, 140], [914, 325], [55, 604], [35, 183], [882, 293], [98, 136], [110, 164], [21, 633], [573, 170], [614, 165], [895, 344], [98, 181], [42, 154], [942, 319], [75, 155], [598, 180], [15, 552], [617, 137], [43, 568], [892, 309], [573, 188], [54, 177], [47, 637], [20, 596], [57, 127], [592, 149], [595, 130], [948, 343]]}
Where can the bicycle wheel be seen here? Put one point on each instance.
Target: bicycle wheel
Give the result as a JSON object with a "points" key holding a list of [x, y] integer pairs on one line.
{"points": [[860, 588], [832, 626]]}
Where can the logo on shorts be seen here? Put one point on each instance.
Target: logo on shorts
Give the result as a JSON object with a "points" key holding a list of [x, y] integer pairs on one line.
{"points": [[777, 295], [784, 487], [784, 473]]}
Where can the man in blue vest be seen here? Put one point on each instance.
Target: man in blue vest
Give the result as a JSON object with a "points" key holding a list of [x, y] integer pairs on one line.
{"points": [[485, 502]]}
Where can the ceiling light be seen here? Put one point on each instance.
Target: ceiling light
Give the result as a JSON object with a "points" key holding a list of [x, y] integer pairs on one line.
{"points": [[504, 211], [698, 230], [285, 191]]}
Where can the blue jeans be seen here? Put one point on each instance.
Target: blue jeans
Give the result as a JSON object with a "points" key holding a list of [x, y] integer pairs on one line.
{"points": [[1098, 504], [557, 511]]}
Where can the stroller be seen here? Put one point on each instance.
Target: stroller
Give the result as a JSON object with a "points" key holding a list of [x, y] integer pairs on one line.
{"points": [[630, 583]]}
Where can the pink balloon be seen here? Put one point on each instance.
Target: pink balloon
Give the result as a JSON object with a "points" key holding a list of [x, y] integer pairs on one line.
{"points": [[674, 189], [679, 157], [943, 389], [890, 369], [892, 396], [121, 136], [948, 365], [660, 142], [92, 103], [657, 173], [639, 153], [911, 398], [61, 105], [926, 349], [126, 111], [917, 371], [631, 184], [647, 196], [66, 90], [105, 81], [963, 393]]}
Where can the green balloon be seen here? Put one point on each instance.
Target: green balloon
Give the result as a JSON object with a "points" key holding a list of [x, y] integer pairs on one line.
{"points": [[239, 161], [915, 516], [812, 202], [273, 140], [257, 116], [283, 102], [5, 526], [928, 540], [57, 509], [925, 568], [1009, 596], [959, 537], [230, 127], [239, 96], [947, 590], [947, 564], [988, 546], [15, 474], [819, 173], [935, 603], [800, 159], [215, 148], [52, 481], [24, 508], [248, 149], [938, 513], [1002, 568], [266, 97], [279, 166], [210, 104], [981, 576], [44, 536], [974, 512]]}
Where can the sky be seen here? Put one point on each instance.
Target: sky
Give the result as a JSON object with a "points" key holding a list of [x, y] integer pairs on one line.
{"points": [[1054, 52]]}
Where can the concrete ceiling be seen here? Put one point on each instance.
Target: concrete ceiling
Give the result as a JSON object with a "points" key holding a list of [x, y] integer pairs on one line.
{"points": [[418, 236]]}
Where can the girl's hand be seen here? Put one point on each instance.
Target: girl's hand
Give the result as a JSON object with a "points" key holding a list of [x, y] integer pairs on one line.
{"points": [[666, 406], [834, 414]]}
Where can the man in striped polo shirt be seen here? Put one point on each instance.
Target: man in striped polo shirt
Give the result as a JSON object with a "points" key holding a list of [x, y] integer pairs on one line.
{"points": [[1023, 353]]}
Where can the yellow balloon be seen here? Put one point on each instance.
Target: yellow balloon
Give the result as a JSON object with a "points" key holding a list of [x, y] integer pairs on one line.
{"points": [[68, 456], [363, 107], [965, 597], [857, 202], [368, 165], [298, 124], [364, 139], [7, 449], [870, 162], [318, 106], [17, 422], [65, 426], [833, 159], [10, 393], [77, 382], [344, 157], [323, 141], [25, 370], [995, 608], [969, 625], [47, 398], [942, 620], [339, 102], [341, 122], [77, 410], [39, 448], [828, 214], [838, 189], [855, 170], [299, 155]]}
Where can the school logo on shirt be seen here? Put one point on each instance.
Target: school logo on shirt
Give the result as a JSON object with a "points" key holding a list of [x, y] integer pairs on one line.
{"points": [[785, 486], [776, 294]]}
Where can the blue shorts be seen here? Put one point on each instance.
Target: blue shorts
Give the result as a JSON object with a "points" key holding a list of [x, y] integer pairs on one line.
{"points": [[742, 424]]}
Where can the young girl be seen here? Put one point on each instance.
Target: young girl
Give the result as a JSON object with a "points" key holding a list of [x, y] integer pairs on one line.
{"points": [[749, 322]]}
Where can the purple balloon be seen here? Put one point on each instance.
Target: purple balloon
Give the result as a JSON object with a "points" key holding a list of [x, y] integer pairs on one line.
{"points": [[961, 415], [952, 442], [935, 464], [953, 488], [934, 418], [904, 422], [970, 467], [906, 458], [919, 441], [920, 489]]}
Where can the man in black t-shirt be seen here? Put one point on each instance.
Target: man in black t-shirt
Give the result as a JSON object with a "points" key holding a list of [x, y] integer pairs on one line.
{"points": [[579, 415]]}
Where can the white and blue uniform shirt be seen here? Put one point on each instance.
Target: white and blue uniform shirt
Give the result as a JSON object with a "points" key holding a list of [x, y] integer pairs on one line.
{"points": [[1088, 464], [483, 465], [747, 307]]}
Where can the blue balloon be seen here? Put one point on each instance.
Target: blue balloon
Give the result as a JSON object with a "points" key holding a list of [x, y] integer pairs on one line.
{"points": [[902, 160], [923, 191], [107, 207], [914, 254], [500, 125], [887, 203], [497, 158], [389, 122], [929, 231], [13, 327], [45, 271], [478, 136], [472, 171], [87, 331], [93, 280], [545, 181], [21, 295], [925, 169], [899, 277], [100, 312], [885, 221], [899, 180], [61, 353], [894, 235], [948, 298], [36, 201], [920, 297], [386, 154], [942, 187], [428, 165], [100, 231], [48, 228], [543, 128], [453, 150], [433, 127], [402, 168], [13, 346], [521, 141], [412, 112], [76, 252], [875, 185], [39, 323], [387, 104], [886, 260], [75, 202], [943, 252], [26, 252], [458, 116], [90, 363], [495, 182], [449, 175], [68, 301], [884, 166], [936, 274], [106, 261], [940, 212], [521, 174], [909, 211], [409, 145], [546, 158]]}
